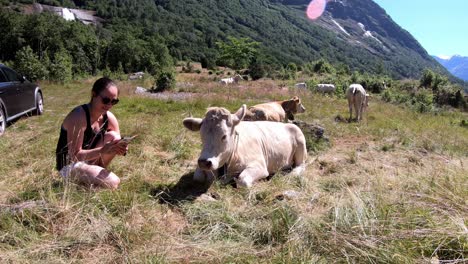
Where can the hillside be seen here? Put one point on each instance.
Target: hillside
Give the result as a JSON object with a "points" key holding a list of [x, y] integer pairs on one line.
{"points": [[457, 65], [391, 189], [356, 33]]}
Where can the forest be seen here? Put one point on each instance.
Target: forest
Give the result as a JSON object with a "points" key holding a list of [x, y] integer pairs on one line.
{"points": [[142, 33]]}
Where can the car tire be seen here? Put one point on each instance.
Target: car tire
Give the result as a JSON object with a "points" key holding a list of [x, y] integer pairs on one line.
{"points": [[39, 104], [2, 121]]}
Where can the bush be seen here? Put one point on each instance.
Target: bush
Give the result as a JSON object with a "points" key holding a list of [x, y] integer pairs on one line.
{"points": [[28, 64], [422, 101], [257, 70], [322, 66], [61, 67], [164, 81]]}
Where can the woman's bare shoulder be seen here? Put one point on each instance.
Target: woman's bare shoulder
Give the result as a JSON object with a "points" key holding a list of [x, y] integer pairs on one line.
{"points": [[77, 117]]}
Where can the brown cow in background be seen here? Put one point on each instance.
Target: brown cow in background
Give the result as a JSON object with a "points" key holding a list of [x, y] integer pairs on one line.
{"points": [[278, 111]]}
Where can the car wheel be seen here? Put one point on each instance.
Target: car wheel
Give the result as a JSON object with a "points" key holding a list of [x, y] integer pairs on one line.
{"points": [[2, 121], [39, 104]]}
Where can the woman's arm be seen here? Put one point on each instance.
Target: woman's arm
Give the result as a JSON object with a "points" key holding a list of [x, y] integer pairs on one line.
{"points": [[113, 123], [75, 124]]}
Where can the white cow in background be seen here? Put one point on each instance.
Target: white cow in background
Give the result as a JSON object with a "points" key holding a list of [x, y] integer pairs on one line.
{"points": [[301, 85], [357, 98], [325, 88], [231, 80]]}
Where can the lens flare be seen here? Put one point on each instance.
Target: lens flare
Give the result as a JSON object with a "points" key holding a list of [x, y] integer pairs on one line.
{"points": [[316, 8]]}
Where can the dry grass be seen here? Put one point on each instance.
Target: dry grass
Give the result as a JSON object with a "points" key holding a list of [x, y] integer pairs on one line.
{"points": [[392, 189]]}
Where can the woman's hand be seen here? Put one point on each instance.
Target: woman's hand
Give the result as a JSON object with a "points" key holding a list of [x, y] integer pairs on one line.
{"points": [[117, 147]]}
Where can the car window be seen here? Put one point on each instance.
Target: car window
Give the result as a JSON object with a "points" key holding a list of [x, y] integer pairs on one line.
{"points": [[11, 75], [2, 77]]}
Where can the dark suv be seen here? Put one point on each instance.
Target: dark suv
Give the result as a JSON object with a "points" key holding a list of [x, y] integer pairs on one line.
{"points": [[18, 97]]}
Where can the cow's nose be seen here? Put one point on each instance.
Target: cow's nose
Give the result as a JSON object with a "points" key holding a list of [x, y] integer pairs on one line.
{"points": [[204, 164]]}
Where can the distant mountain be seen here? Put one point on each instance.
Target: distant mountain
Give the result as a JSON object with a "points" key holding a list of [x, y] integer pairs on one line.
{"points": [[457, 65]]}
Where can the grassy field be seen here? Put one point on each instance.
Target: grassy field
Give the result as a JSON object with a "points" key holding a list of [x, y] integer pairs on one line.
{"points": [[392, 189]]}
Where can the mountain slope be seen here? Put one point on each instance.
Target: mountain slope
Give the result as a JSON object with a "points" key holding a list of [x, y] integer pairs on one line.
{"points": [[457, 65], [357, 33]]}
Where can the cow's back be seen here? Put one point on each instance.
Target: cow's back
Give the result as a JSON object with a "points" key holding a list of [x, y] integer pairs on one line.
{"points": [[272, 144], [272, 111]]}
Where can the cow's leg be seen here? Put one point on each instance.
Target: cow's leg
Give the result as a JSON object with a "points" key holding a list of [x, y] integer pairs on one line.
{"points": [[350, 106], [360, 112], [361, 108], [250, 175], [357, 109], [299, 157]]}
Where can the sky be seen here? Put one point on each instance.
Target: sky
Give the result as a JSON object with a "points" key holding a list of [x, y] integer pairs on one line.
{"points": [[440, 26]]}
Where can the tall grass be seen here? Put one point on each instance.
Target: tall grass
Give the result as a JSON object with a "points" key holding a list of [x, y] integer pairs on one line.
{"points": [[391, 189]]}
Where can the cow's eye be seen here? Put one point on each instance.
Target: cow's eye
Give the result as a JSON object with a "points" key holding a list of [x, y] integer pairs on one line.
{"points": [[223, 138]]}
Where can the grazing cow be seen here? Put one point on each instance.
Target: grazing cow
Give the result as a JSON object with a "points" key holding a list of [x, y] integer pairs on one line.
{"points": [[278, 111], [325, 88], [231, 80], [357, 98], [136, 76], [245, 151], [301, 85]]}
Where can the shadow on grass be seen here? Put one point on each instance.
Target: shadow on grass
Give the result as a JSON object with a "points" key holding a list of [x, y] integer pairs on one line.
{"points": [[186, 189]]}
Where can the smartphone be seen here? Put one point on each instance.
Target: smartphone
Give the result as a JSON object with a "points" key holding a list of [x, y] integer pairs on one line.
{"points": [[129, 138]]}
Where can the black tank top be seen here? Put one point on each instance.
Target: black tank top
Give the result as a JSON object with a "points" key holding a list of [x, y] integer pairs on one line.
{"points": [[90, 139]]}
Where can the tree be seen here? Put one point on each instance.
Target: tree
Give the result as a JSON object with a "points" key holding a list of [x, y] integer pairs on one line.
{"points": [[61, 67], [164, 81], [28, 63], [237, 53], [257, 68]]}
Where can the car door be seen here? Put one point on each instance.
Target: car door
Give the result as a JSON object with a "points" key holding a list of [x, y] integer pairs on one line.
{"points": [[15, 102], [8, 94]]}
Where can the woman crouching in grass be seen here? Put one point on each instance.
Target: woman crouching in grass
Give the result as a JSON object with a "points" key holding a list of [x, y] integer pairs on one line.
{"points": [[90, 139]]}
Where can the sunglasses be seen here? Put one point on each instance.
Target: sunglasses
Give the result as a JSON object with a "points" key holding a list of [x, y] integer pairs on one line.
{"points": [[107, 100]]}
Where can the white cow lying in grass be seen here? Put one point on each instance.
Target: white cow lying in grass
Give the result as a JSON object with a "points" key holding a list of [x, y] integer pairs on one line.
{"points": [[231, 80], [249, 151], [325, 88], [301, 85], [357, 98]]}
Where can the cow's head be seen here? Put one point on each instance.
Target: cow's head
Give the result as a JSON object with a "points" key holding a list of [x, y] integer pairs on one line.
{"points": [[218, 135], [293, 105]]}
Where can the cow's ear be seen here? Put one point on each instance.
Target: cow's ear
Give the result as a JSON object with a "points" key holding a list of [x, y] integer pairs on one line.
{"points": [[296, 99], [239, 115], [193, 124]]}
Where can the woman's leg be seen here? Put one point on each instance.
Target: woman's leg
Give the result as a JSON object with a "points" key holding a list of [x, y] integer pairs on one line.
{"points": [[94, 175]]}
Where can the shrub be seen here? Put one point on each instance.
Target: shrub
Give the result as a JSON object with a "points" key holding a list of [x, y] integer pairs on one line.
{"points": [[61, 67], [422, 101], [164, 81], [28, 64], [322, 66], [188, 68], [257, 70]]}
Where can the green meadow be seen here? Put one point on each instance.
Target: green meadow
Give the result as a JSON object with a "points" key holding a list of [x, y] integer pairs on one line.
{"points": [[391, 189]]}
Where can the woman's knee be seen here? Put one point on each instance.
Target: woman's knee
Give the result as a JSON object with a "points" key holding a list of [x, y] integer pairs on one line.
{"points": [[96, 175], [112, 181]]}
